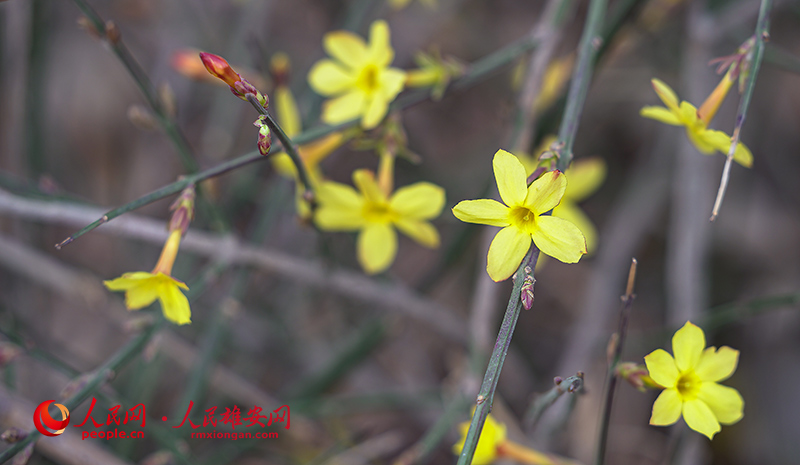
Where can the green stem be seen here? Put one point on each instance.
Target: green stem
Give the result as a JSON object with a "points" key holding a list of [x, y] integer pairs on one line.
{"points": [[761, 35], [100, 376], [490, 379], [581, 77], [288, 146], [543, 402], [165, 191]]}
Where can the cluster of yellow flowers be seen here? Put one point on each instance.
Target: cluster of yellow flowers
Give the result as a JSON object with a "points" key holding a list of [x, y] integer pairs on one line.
{"points": [[539, 207]]}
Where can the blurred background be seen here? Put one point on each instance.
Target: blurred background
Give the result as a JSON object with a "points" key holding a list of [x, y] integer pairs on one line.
{"points": [[283, 314]]}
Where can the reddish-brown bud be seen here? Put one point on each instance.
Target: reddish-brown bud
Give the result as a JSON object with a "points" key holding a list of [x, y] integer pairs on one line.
{"points": [[182, 210], [218, 67]]}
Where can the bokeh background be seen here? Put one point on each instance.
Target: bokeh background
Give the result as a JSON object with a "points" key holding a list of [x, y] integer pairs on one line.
{"points": [[282, 314]]}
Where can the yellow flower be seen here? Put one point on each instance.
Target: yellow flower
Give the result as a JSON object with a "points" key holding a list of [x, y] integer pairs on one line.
{"points": [[492, 436], [696, 121], [373, 212], [358, 76], [690, 383], [522, 218], [585, 176], [143, 288]]}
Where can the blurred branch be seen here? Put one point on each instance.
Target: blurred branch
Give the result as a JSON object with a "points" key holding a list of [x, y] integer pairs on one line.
{"points": [[547, 33], [69, 449], [230, 249], [761, 36], [92, 383], [110, 34]]}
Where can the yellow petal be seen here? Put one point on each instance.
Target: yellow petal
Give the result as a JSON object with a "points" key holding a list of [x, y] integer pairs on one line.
{"points": [[330, 78], [365, 181], [506, 252], [700, 418], [421, 231], [667, 408], [174, 304], [346, 47], [666, 94], [662, 368], [377, 247], [703, 139], [314, 152], [283, 165], [127, 281], [717, 365], [142, 295], [287, 112], [345, 108], [688, 115], [726, 402], [380, 47], [492, 435], [743, 156], [559, 238], [375, 111], [421, 201], [482, 211], [511, 179], [545, 192], [340, 207], [722, 143], [391, 82], [572, 213], [584, 177], [688, 344], [660, 114]]}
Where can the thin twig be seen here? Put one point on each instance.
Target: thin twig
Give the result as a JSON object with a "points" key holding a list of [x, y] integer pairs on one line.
{"points": [[761, 36], [544, 401], [611, 378]]}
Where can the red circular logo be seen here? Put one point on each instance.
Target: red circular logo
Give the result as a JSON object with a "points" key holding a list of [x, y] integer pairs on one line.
{"points": [[42, 419]]}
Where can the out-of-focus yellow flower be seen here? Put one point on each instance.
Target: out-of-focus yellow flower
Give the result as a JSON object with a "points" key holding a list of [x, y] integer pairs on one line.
{"points": [[400, 4], [358, 76], [375, 213], [492, 444], [690, 383], [584, 177], [288, 116], [492, 436], [143, 288], [696, 121], [522, 218], [555, 79], [433, 72]]}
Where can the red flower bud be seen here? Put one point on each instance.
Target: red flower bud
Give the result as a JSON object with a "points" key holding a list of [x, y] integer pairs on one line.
{"points": [[217, 66]]}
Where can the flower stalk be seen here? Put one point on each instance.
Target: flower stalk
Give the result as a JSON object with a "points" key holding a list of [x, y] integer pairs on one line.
{"points": [[761, 36]]}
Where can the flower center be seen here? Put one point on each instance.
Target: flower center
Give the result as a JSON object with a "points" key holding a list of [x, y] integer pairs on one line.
{"points": [[368, 79], [689, 385], [523, 219], [377, 212]]}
